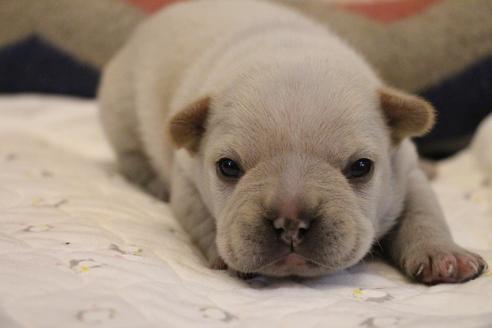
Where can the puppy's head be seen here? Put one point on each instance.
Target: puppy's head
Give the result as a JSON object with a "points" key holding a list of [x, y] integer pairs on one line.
{"points": [[296, 165]]}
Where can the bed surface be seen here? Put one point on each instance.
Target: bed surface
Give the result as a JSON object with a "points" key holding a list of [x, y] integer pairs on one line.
{"points": [[80, 247]]}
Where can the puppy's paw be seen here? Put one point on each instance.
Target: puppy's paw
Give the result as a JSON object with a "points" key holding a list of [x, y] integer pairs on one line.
{"points": [[443, 264], [217, 263]]}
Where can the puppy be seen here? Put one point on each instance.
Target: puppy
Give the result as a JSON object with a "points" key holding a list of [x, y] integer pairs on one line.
{"points": [[281, 150]]}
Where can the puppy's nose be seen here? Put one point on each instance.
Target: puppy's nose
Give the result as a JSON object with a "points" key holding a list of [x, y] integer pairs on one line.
{"points": [[291, 231]]}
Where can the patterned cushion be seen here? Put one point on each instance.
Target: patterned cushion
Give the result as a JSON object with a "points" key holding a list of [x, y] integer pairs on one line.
{"points": [[441, 49]]}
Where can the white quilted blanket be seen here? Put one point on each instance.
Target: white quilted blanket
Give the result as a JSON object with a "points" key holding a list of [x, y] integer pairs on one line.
{"points": [[80, 247]]}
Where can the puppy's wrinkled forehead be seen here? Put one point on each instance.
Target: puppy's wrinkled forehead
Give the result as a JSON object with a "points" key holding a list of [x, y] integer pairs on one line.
{"points": [[326, 116]]}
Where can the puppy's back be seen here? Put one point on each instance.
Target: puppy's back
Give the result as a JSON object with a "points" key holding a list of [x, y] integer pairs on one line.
{"points": [[191, 49], [172, 41]]}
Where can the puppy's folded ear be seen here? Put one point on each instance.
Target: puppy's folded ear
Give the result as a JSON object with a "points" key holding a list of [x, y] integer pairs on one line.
{"points": [[406, 115], [187, 126]]}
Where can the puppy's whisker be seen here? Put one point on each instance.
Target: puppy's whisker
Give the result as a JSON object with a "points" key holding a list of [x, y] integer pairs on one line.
{"points": [[268, 264], [318, 263]]}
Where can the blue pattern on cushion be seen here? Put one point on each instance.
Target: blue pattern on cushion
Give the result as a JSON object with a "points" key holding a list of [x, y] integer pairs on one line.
{"points": [[34, 65], [462, 101]]}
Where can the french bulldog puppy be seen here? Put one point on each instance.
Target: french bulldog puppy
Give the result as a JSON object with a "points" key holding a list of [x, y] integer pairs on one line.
{"points": [[281, 150]]}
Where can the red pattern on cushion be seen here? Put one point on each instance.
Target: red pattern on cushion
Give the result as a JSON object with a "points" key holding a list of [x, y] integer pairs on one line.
{"points": [[151, 6], [390, 11]]}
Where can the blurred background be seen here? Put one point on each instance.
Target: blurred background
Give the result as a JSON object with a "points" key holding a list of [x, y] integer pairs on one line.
{"points": [[440, 49]]}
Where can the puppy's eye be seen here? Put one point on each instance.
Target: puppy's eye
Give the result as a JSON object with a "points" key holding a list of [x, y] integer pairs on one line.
{"points": [[228, 168], [359, 168]]}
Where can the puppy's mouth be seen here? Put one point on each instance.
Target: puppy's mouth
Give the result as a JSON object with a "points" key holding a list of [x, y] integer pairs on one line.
{"points": [[294, 260], [289, 264]]}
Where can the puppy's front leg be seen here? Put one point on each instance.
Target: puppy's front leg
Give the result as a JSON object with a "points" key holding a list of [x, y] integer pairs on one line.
{"points": [[195, 218], [422, 245]]}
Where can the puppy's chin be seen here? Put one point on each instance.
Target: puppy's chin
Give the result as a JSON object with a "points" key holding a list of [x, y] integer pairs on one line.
{"points": [[258, 252], [296, 264]]}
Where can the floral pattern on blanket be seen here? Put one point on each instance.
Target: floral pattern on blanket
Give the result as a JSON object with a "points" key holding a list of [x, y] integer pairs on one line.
{"points": [[80, 247]]}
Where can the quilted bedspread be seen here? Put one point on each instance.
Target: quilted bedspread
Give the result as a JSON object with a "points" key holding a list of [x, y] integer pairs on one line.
{"points": [[80, 247]]}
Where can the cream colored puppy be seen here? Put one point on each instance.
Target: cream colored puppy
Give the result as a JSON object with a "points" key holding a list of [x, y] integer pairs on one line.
{"points": [[282, 151]]}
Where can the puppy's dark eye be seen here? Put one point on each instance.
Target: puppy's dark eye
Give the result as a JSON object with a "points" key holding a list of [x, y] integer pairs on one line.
{"points": [[228, 168], [359, 168]]}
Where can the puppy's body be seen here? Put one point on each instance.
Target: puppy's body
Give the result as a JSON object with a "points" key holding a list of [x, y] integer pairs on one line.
{"points": [[294, 106]]}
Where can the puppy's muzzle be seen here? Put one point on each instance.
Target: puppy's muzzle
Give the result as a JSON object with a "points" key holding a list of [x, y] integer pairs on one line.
{"points": [[290, 222], [291, 230]]}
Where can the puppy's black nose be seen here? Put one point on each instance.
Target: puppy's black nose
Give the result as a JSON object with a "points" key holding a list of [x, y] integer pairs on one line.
{"points": [[291, 231]]}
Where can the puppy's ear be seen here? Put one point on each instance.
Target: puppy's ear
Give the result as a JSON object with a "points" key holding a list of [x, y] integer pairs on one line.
{"points": [[187, 126], [406, 115]]}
